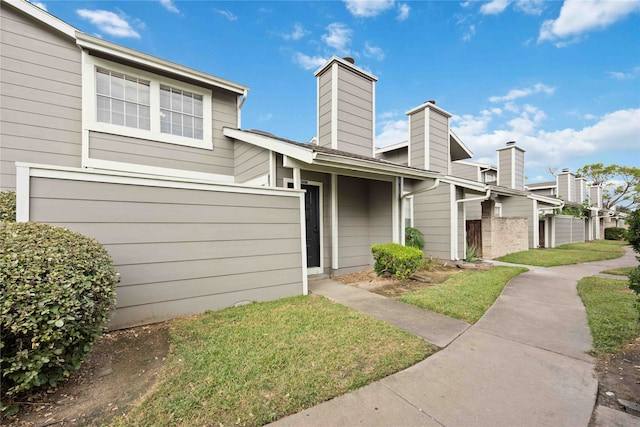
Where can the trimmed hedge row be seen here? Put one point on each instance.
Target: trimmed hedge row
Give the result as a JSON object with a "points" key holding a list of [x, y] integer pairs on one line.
{"points": [[392, 258], [7, 206], [58, 291], [615, 233]]}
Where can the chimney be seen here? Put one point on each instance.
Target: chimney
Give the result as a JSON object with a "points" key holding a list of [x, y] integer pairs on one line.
{"points": [[429, 144], [595, 196], [511, 166], [566, 183], [581, 190], [346, 107]]}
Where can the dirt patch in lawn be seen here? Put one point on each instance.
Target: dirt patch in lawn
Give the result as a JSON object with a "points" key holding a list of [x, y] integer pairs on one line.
{"points": [[389, 286], [619, 377], [123, 367]]}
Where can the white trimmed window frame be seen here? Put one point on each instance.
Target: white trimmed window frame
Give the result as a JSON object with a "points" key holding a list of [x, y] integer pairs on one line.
{"points": [[89, 100]]}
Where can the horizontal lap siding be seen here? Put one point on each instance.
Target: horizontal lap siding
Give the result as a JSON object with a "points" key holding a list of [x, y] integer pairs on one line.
{"points": [[397, 156], [432, 216], [462, 170], [417, 138], [521, 207], [519, 170], [353, 224], [181, 251], [504, 168], [380, 215], [563, 230], [40, 106], [324, 109], [251, 162], [355, 115], [438, 142]]}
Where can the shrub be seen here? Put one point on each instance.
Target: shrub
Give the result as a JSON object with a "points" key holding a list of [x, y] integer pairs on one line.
{"points": [[413, 237], [8, 206], [58, 289], [401, 261], [633, 234], [615, 233]]}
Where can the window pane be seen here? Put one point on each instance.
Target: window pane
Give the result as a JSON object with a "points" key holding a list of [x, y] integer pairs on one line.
{"points": [[165, 121], [187, 105], [165, 97], [176, 100], [143, 94], [131, 90], [188, 126], [117, 106], [197, 104], [117, 87], [117, 118], [176, 123], [113, 89], [102, 83], [144, 124]]}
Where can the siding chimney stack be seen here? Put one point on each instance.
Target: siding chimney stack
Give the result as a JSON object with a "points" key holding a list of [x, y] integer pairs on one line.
{"points": [[346, 107], [511, 166], [429, 141], [566, 183]]}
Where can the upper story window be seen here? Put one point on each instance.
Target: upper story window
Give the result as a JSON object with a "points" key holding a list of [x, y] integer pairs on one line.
{"points": [[126, 101]]}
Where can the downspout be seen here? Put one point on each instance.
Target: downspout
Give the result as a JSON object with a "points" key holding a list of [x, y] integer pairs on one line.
{"points": [[474, 199], [244, 98], [435, 185]]}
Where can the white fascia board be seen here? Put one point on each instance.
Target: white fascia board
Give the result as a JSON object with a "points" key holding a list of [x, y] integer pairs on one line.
{"points": [[346, 64], [302, 154], [43, 16], [458, 141], [547, 200], [90, 175], [477, 164], [330, 160], [392, 147], [465, 183], [95, 44], [428, 105]]}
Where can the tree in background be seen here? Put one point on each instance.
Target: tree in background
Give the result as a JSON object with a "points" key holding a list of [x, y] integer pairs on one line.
{"points": [[620, 184], [633, 236]]}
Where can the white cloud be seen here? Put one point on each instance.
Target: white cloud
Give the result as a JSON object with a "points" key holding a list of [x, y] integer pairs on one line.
{"points": [[494, 7], [471, 31], [39, 4], [466, 4], [521, 93], [308, 62], [338, 37], [297, 33], [265, 117], [368, 8], [227, 14], [619, 75], [109, 23], [589, 117], [580, 16], [403, 12], [393, 132], [169, 5], [371, 51], [531, 7]]}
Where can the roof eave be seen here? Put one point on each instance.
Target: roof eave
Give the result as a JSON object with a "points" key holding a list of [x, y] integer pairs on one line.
{"points": [[43, 16]]}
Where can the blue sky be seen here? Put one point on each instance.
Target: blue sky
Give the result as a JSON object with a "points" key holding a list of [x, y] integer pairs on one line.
{"points": [[561, 78]]}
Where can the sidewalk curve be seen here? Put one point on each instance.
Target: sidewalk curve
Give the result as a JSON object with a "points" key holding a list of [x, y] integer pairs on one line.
{"points": [[523, 363]]}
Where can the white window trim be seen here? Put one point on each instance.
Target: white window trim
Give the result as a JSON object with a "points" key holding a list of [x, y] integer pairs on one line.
{"points": [[89, 100]]}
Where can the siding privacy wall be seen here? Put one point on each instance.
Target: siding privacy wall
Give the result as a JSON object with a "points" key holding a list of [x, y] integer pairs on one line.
{"points": [[181, 251], [40, 96], [569, 229], [432, 216], [521, 207]]}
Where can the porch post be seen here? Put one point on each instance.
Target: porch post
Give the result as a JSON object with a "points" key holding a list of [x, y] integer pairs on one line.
{"points": [[296, 178], [395, 201], [334, 222]]}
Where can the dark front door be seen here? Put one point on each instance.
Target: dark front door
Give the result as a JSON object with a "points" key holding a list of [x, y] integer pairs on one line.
{"points": [[312, 216]]}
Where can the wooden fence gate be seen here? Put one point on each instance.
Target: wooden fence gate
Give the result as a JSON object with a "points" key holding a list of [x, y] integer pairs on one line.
{"points": [[474, 235], [541, 234]]}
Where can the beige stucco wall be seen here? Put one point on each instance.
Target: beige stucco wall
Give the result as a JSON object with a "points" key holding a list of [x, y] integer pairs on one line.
{"points": [[502, 236]]}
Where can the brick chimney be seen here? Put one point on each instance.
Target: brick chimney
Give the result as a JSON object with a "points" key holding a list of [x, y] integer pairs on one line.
{"points": [[511, 166], [429, 143], [346, 107]]}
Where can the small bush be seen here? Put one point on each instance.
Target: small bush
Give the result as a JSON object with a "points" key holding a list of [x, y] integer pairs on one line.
{"points": [[58, 290], [401, 261], [8, 206], [413, 237], [615, 233]]}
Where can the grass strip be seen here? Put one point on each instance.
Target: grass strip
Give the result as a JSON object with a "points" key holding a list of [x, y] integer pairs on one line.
{"points": [[572, 253], [465, 296], [624, 271], [611, 312], [254, 364]]}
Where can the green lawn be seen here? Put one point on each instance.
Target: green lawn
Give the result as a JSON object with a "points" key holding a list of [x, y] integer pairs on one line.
{"points": [[624, 271], [255, 364], [572, 253], [465, 296], [611, 311]]}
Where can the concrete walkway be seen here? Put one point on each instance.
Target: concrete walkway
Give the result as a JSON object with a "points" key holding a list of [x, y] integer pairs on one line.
{"points": [[523, 364]]}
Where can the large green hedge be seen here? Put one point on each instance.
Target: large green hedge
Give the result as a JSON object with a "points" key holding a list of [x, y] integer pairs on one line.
{"points": [[615, 233], [392, 258], [7, 206], [58, 291]]}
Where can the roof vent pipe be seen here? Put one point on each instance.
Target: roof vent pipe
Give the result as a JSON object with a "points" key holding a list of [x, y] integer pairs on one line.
{"points": [[431, 102], [349, 59], [565, 170]]}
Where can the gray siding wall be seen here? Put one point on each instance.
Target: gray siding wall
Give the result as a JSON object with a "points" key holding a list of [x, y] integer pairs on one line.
{"points": [[181, 251], [566, 187], [40, 96], [417, 139], [324, 109], [504, 168], [569, 229], [520, 207], [353, 225], [399, 156], [380, 212], [519, 178], [432, 216], [544, 191], [251, 162], [464, 171], [473, 210], [438, 142], [355, 113], [220, 160], [595, 196]]}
